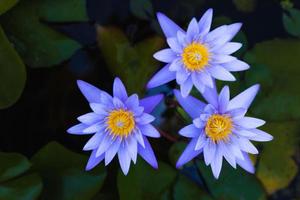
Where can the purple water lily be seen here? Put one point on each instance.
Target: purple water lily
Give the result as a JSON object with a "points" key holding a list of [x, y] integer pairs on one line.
{"points": [[197, 56], [120, 125], [221, 129]]}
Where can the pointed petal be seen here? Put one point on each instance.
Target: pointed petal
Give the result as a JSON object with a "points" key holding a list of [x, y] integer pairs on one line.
{"points": [[220, 59], [224, 99], [244, 99], [90, 92], [211, 95], [132, 102], [112, 150], [220, 73], [145, 119], [93, 128], [216, 163], [124, 158], [209, 151], [139, 137], [247, 146], [227, 154], [149, 103], [93, 160], [89, 118], [201, 141], [78, 129], [165, 55], [147, 153], [198, 82], [189, 153], [181, 76], [119, 90], [99, 109], [149, 131], [190, 104], [235, 66], [249, 122], [260, 136], [228, 48], [190, 131], [205, 22], [169, 28], [94, 142], [246, 163], [161, 77], [132, 147], [186, 87], [174, 44], [104, 145], [193, 30]]}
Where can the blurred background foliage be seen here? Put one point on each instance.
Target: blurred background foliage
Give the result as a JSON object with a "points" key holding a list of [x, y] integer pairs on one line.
{"points": [[46, 45]]}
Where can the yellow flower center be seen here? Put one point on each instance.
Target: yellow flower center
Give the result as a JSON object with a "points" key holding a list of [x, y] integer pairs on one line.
{"points": [[120, 122], [195, 56], [218, 127]]}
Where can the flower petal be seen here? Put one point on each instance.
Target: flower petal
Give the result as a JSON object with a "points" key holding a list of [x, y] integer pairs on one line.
{"points": [[161, 77], [246, 163], [201, 141], [190, 131], [249, 122], [247, 146], [223, 99], [78, 129], [99, 109], [147, 153], [260, 136], [165, 55], [149, 103], [190, 104], [227, 154], [220, 58], [132, 148], [244, 99], [145, 119], [94, 142], [119, 90], [220, 73], [105, 144], [124, 158], [89, 118], [211, 95], [132, 102], [205, 22], [216, 163], [112, 150], [189, 153], [174, 44], [198, 82], [169, 28], [228, 48], [181, 76], [93, 160], [139, 137], [90, 92], [235, 66], [93, 128], [193, 30], [186, 87], [149, 131], [209, 151]]}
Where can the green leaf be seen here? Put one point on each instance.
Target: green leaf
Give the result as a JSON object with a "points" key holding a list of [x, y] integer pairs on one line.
{"points": [[133, 63], [233, 184], [38, 44], [188, 190], [245, 5], [27, 187], [12, 165], [141, 8], [291, 21], [282, 58], [63, 173], [5, 5], [276, 167], [145, 183], [12, 73]]}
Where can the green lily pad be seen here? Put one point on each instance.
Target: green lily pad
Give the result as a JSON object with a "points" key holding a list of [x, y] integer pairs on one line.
{"points": [[5, 5], [188, 190], [16, 183], [145, 183], [133, 63], [281, 57], [233, 184], [12, 73], [37, 43], [276, 167], [291, 21], [26, 187], [63, 173]]}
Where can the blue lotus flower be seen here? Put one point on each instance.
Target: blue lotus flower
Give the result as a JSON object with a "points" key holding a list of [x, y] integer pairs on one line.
{"points": [[197, 56], [221, 129], [120, 125]]}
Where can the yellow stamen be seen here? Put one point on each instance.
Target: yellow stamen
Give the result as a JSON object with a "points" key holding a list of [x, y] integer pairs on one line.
{"points": [[218, 127], [195, 56], [120, 122]]}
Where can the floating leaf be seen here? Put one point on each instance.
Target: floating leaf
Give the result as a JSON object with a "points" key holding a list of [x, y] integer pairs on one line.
{"points": [[188, 190], [64, 176], [27, 187], [142, 9], [233, 184], [5, 5], [282, 57], [15, 182], [38, 44], [133, 63], [144, 182], [291, 21], [276, 167], [12, 73]]}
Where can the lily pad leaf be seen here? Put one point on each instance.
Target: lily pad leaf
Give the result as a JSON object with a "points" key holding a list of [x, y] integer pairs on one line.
{"points": [[37, 43], [233, 184], [133, 63], [145, 183], [5, 5], [291, 21], [63, 173], [276, 167], [12, 73]]}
